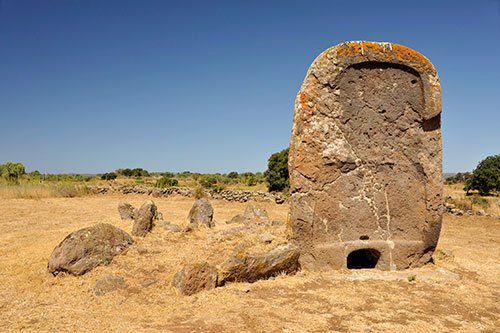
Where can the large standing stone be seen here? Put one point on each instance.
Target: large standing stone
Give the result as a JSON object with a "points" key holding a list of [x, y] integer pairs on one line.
{"points": [[87, 248], [144, 219], [365, 159], [201, 213]]}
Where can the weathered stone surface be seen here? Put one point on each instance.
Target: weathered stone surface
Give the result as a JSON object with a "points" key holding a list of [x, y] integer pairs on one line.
{"points": [[170, 226], [158, 216], [237, 230], [277, 223], [195, 278], [126, 210], [201, 213], [87, 248], [107, 284], [267, 238], [242, 267], [252, 215], [365, 158], [143, 220]]}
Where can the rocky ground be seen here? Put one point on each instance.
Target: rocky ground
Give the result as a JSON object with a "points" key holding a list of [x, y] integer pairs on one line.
{"points": [[459, 293]]}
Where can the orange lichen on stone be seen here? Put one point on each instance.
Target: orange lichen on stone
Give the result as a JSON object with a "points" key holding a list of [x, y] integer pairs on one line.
{"points": [[413, 57], [303, 99], [382, 52], [365, 194]]}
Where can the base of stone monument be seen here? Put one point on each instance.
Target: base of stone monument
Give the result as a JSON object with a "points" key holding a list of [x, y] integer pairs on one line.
{"points": [[358, 254]]}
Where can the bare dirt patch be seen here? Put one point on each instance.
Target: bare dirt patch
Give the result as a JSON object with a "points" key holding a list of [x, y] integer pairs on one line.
{"points": [[458, 293]]}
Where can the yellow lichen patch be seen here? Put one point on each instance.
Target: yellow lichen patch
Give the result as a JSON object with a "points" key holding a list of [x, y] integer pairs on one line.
{"points": [[382, 52], [416, 59]]}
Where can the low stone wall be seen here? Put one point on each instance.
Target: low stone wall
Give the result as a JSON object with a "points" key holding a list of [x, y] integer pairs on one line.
{"points": [[229, 195], [452, 209]]}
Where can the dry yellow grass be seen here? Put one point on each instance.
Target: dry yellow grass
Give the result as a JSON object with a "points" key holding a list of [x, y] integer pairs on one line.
{"points": [[457, 194], [42, 190], [458, 294]]}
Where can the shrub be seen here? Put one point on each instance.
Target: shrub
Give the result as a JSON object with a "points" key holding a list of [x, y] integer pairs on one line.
{"points": [[125, 172], [251, 181], [277, 171], [198, 192], [109, 176], [166, 181], [137, 172], [33, 176], [486, 177], [12, 171], [479, 201], [232, 175], [208, 182], [168, 174]]}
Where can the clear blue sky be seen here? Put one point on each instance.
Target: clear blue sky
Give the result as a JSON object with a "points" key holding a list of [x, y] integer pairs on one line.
{"points": [[93, 85]]}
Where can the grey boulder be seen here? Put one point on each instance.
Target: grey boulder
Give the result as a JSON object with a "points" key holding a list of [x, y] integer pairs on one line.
{"points": [[87, 248], [201, 213]]}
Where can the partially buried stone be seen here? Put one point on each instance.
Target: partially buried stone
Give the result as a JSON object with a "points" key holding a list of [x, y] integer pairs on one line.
{"points": [[87, 248], [242, 267], [171, 227], [108, 284], [266, 238], [253, 215], [195, 278]]}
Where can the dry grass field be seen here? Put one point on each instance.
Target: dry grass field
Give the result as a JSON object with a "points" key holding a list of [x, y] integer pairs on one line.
{"points": [[459, 293]]}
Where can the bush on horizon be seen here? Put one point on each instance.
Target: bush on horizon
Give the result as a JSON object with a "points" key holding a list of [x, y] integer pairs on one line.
{"points": [[277, 172], [12, 171], [137, 172], [166, 181], [485, 177], [109, 176]]}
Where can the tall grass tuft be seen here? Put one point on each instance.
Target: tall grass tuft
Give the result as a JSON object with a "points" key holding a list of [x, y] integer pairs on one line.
{"points": [[39, 191]]}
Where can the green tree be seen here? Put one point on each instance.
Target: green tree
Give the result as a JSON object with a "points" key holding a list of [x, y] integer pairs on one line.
{"points": [[232, 175], [12, 171], [140, 172], [277, 171], [109, 176], [127, 172], [486, 177], [166, 181]]}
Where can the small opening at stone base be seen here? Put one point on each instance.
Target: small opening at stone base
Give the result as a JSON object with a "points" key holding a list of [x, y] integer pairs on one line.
{"points": [[364, 258]]}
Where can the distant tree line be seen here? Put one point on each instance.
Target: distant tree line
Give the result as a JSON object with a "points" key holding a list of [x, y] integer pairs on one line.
{"points": [[484, 179], [459, 178]]}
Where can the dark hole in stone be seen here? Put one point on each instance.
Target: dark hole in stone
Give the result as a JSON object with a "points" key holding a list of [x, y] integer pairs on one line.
{"points": [[364, 237], [364, 258], [383, 65], [432, 124]]}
